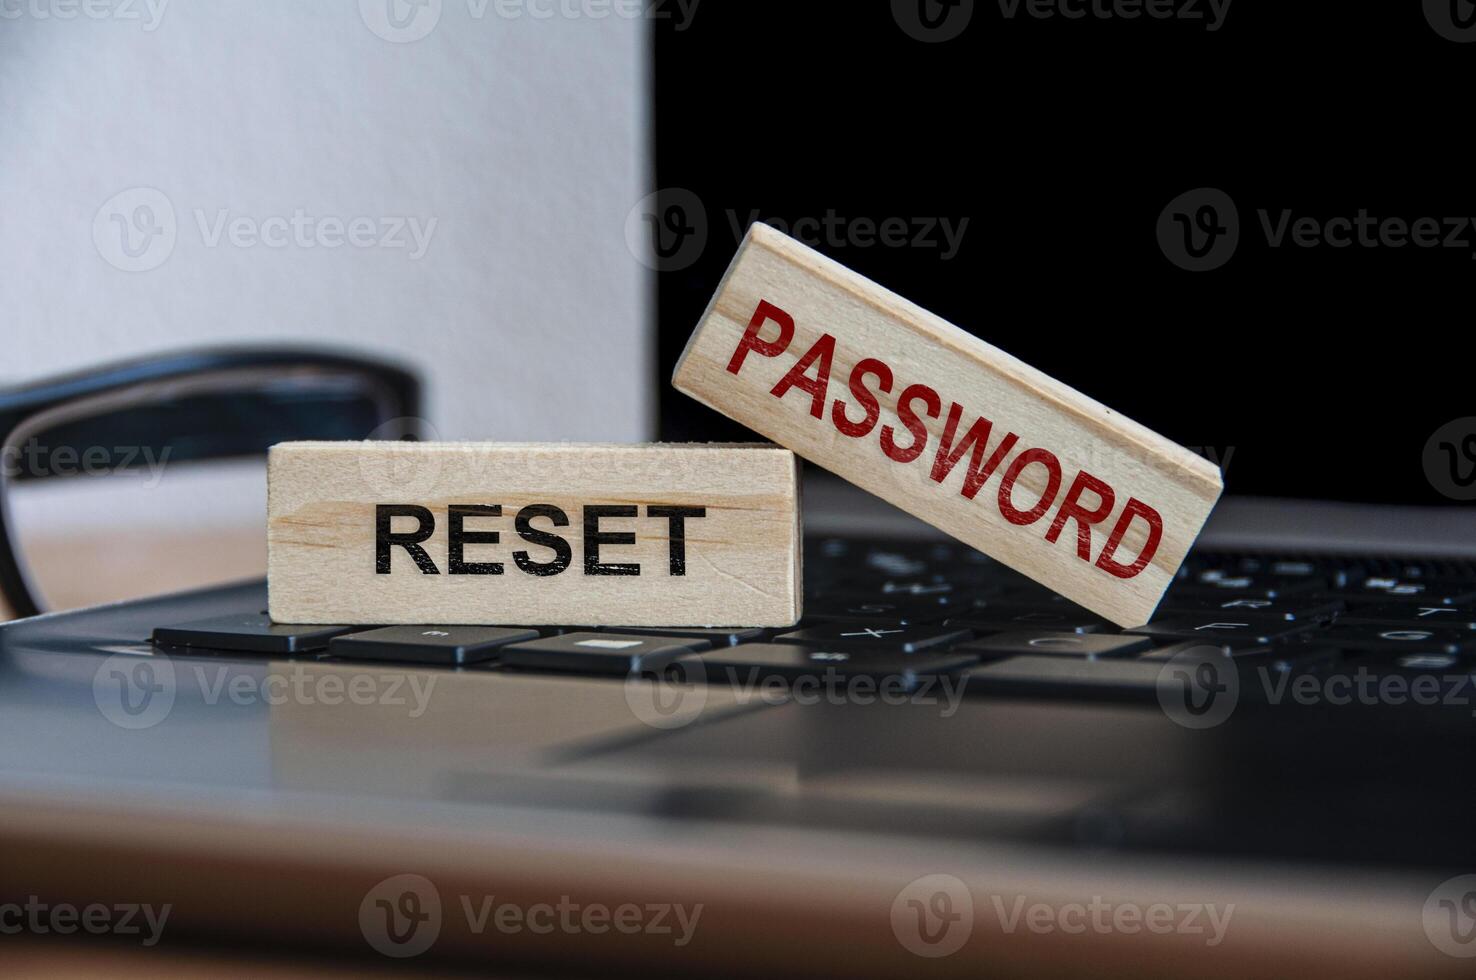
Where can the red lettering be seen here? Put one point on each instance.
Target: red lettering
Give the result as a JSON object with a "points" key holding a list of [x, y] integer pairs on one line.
{"points": [[978, 436], [1071, 509], [1134, 508], [751, 341], [915, 425], [1007, 486], [824, 352], [864, 397]]}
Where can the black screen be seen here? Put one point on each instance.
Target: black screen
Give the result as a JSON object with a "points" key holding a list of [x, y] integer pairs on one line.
{"points": [[1317, 370]]}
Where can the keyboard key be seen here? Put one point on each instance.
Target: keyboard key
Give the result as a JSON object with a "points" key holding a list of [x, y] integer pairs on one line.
{"points": [[1059, 644], [1061, 618], [1383, 637], [1264, 586], [252, 633], [1064, 677], [750, 663], [1290, 609], [1433, 593], [441, 646], [1228, 630], [874, 611], [601, 653], [1413, 613], [864, 638], [717, 637]]}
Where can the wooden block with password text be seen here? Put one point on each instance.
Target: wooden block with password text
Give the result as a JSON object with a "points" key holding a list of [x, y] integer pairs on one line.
{"points": [[950, 428], [374, 533]]}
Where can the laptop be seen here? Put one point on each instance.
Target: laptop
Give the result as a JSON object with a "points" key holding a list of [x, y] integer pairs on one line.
{"points": [[945, 769]]}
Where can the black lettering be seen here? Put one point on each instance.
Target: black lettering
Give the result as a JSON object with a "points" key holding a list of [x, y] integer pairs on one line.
{"points": [[594, 538], [457, 538], [563, 554], [676, 518], [385, 538]]}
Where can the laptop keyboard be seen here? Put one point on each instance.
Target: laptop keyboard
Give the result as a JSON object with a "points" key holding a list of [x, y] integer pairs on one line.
{"points": [[905, 611]]}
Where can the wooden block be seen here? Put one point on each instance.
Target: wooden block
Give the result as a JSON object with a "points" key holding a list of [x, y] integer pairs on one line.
{"points": [[378, 533], [945, 426]]}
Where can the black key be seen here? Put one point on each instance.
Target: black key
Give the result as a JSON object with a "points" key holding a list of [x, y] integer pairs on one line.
{"points": [[717, 637], [1226, 630], [1064, 677], [874, 638], [443, 646], [1059, 644], [874, 611], [601, 653], [1385, 637], [752, 662], [1428, 662], [1220, 583], [1059, 618], [1292, 609], [1433, 593], [250, 633], [1413, 613]]}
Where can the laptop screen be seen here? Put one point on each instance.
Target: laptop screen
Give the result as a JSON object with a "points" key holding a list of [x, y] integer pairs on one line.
{"points": [[1278, 283]]}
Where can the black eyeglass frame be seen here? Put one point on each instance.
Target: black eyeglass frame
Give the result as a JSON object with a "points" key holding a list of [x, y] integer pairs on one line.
{"points": [[23, 404]]}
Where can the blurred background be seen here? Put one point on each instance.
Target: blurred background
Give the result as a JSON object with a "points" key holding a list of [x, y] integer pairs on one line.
{"points": [[529, 202]]}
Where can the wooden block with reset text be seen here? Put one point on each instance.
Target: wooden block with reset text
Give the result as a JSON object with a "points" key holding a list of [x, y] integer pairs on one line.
{"points": [[950, 428], [371, 533]]}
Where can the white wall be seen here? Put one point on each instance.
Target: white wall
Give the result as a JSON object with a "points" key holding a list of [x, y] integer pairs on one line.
{"points": [[520, 137]]}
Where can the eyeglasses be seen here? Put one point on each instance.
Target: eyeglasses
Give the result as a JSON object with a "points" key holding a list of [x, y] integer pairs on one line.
{"points": [[136, 419]]}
